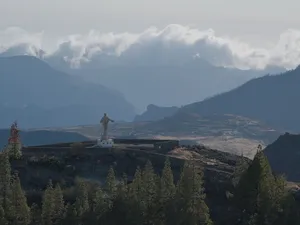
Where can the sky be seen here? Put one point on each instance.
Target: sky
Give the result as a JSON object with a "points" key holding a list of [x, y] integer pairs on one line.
{"points": [[231, 17], [257, 23]]}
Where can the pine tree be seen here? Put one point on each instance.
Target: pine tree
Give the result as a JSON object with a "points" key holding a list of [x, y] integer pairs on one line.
{"points": [[111, 184], [3, 220], [59, 207], [36, 217], [256, 192], [100, 205], [5, 181], [20, 209], [167, 186], [71, 215], [192, 209], [48, 205], [149, 185], [135, 202], [82, 200], [118, 214], [149, 193], [166, 191]]}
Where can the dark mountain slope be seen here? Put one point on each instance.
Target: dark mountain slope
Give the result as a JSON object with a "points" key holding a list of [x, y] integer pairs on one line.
{"points": [[271, 99], [37, 95], [284, 156], [42, 137]]}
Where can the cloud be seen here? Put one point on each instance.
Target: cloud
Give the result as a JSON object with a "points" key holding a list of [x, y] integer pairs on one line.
{"points": [[175, 44]]}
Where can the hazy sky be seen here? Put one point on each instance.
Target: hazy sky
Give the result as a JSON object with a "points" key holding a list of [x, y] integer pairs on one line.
{"points": [[247, 19]]}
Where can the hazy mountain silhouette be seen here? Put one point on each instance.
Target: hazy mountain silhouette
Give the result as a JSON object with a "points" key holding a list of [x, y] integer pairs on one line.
{"points": [[37, 95], [271, 99], [154, 112], [159, 83]]}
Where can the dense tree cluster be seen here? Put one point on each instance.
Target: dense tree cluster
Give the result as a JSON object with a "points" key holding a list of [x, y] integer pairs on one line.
{"points": [[259, 198]]}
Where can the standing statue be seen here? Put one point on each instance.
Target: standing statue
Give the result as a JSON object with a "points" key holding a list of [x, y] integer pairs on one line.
{"points": [[104, 121]]}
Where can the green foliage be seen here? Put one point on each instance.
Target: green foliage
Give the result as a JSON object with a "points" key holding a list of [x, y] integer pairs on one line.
{"points": [[191, 208], [59, 205], [48, 205], [5, 180], [111, 184], [20, 212], [3, 220], [260, 194], [14, 150], [82, 201], [260, 198]]}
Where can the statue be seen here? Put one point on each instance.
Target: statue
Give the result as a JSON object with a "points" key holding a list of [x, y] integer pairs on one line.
{"points": [[104, 121]]}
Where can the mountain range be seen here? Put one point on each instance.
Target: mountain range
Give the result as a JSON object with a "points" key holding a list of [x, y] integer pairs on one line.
{"points": [[271, 99], [37, 95], [165, 84]]}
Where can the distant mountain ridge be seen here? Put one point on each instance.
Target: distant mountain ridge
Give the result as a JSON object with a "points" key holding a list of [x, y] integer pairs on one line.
{"points": [[163, 84], [37, 95], [154, 112], [271, 99]]}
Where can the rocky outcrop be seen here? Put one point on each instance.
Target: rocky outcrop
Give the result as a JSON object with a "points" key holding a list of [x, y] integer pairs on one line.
{"points": [[154, 113]]}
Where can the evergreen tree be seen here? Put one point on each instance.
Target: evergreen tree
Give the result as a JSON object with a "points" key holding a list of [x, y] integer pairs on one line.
{"points": [[149, 193], [20, 209], [36, 217], [166, 192], [167, 187], [71, 215], [135, 203], [82, 200], [111, 184], [192, 210], [59, 207], [100, 205], [256, 192], [48, 205], [5, 181], [118, 214], [3, 220]]}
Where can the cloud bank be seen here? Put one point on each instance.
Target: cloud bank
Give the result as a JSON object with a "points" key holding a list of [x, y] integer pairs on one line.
{"points": [[175, 44]]}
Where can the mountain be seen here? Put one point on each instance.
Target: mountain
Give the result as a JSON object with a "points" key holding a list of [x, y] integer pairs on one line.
{"points": [[42, 137], [284, 156], [154, 112], [37, 95], [162, 84], [271, 99]]}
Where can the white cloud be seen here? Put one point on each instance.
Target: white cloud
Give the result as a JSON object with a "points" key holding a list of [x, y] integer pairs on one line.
{"points": [[174, 44]]}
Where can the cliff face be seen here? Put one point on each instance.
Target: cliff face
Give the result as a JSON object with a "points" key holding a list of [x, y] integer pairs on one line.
{"points": [[284, 156]]}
